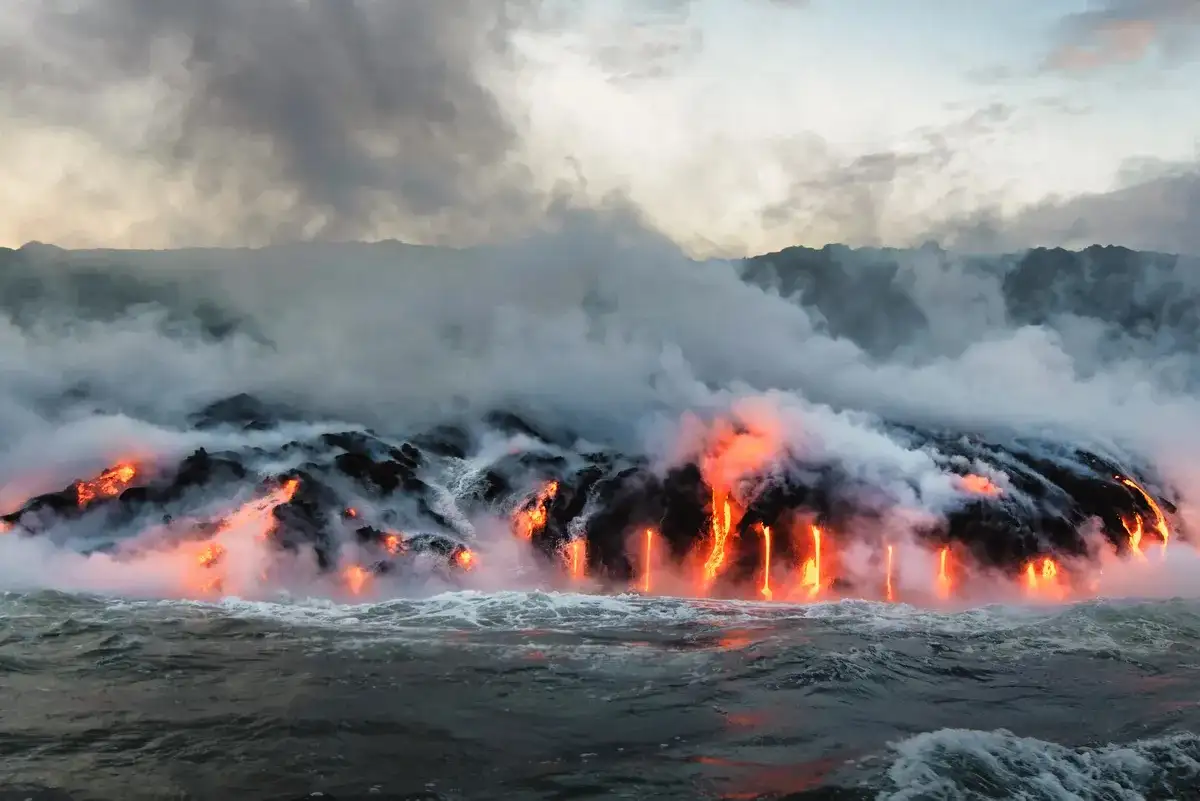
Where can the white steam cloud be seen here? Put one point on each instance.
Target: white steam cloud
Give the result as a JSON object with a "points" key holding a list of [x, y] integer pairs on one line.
{"points": [[601, 328]]}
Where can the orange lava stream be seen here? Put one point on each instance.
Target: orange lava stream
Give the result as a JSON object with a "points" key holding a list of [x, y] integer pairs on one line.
{"points": [[980, 485], [106, 485], [888, 592], [1160, 520], [720, 535], [944, 584], [252, 514], [647, 553], [576, 558], [766, 585], [465, 559], [393, 543], [811, 570], [1135, 533], [1042, 578], [356, 578], [533, 519]]}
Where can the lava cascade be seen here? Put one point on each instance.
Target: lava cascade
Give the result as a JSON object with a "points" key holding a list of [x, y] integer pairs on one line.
{"points": [[740, 520]]}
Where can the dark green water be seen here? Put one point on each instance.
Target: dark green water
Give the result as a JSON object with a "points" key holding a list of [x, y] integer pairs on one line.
{"points": [[533, 696]]}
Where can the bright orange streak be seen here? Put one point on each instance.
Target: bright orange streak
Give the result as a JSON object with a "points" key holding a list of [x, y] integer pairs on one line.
{"points": [[646, 554], [465, 559], [255, 510], [888, 588], [1160, 520], [1135, 533], [532, 520], [766, 585], [576, 554], [943, 578], [720, 530], [211, 554], [356, 578], [980, 485], [811, 576], [254, 514], [393, 543], [1042, 575], [109, 483]]}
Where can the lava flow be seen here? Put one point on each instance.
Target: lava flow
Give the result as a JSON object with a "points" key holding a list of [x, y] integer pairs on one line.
{"points": [[1160, 520], [766, 580], [721, 525], [1042, 579], [531, 519], [889, 593], [811, 569], [576, 558], [943, 576], [106, 485], [647, 556]]}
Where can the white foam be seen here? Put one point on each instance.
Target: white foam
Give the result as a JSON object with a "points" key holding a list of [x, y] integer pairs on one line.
{"points": [[969, 765]]}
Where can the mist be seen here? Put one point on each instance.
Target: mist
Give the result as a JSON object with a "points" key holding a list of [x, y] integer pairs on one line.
{"points": [[533, 284]]}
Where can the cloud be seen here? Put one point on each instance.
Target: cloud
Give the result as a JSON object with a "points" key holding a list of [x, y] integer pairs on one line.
{"points": [[1155, 207], [297, 119], [1122, 32]]}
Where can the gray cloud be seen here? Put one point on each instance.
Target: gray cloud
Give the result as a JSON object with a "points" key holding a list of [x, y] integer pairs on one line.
{"points": [[1115, 32], [333, 104], [1157, 211]]}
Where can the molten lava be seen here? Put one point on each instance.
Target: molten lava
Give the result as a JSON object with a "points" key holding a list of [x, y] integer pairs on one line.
{"points": [[532, 518], [979, 485], [1042, 578], [647, 555], [722, 523], [766, 581], [576, 558], [211, 554], [810, 572], [944, 583], [1160, 520], [888, 592], [393, 543], [108, 484], [1135, 531], [356, 578], [465, 559]]}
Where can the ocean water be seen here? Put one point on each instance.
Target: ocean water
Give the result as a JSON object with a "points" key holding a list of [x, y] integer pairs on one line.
{"points": [[530, 695]]}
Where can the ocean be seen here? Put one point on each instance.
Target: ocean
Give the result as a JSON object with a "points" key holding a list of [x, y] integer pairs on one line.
{"points": [[549, 696]]}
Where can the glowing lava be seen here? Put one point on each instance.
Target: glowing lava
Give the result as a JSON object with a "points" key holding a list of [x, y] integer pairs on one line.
{"points": [[721, 526], [465, 559], [943, 577], [393, 543], [576, 558], [888, 593], [980, 485], [106, 485], [810, 572], [647, 554], [1041, 578], [356, 578], [1160, 520], [532, 518], [766, 582], [1135, 532], [211, 554]]}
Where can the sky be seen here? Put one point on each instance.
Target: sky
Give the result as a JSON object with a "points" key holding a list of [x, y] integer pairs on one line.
{"points": [[733, 126]]}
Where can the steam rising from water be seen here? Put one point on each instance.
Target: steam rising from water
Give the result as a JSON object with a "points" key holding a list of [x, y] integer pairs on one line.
{"points": [[602, 329]]}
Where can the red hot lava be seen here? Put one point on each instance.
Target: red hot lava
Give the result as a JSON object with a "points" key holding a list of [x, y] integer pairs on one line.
{"points": [[110, 483]]}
